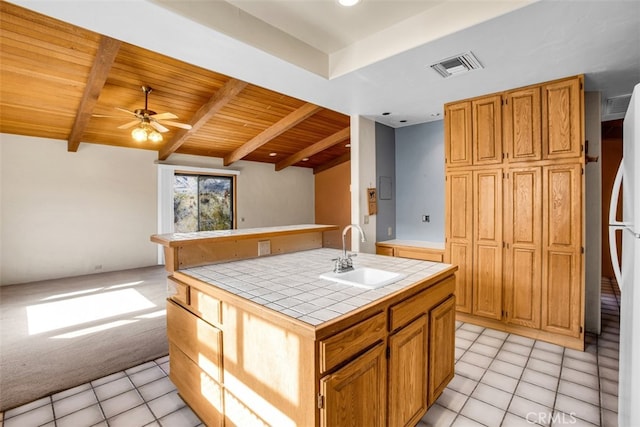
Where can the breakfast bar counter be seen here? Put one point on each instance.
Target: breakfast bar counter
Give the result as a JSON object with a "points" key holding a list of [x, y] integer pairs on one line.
{"points": [[183, 250]]}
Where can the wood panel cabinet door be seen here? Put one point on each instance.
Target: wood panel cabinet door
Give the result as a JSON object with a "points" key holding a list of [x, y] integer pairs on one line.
{"points": [[459, 234], [562, 291], [562, 113], [457, 134], [523, 255], [355, 395], [442, 329], [408, 358], [522, 125], [486, 116], [487, 243]]}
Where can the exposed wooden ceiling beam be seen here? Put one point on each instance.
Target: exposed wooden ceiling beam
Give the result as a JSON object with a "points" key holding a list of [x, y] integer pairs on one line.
{"points": [[331, 163], [105, 56], [219, 99], [286, 123], [319, 146]]}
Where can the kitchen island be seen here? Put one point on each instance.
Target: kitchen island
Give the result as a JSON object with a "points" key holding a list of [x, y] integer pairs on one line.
{"points": [[265, 341]]}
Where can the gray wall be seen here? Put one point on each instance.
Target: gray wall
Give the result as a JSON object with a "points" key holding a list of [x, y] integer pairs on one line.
{"points": [[593, 214], [420, 181], [385, 169]]}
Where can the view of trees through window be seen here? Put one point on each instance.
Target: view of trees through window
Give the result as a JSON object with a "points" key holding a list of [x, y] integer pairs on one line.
{"points": [[202, 203]]}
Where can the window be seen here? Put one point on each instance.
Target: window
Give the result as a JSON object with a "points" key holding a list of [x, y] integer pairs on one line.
{"points": [[203, 202]]}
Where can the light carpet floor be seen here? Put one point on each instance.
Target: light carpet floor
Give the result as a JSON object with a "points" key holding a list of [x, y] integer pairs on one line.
{"points": [[57, 334]]}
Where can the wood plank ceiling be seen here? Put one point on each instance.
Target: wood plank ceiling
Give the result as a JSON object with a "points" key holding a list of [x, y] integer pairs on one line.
{"points": [[62, 82]]}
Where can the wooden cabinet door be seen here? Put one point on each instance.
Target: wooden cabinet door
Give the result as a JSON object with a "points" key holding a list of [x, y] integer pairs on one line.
{"points": [[487, 243], [522, 125], [562, 115], [408, 373], [459, 234], [355, 395], [487, 130], [457, 134], [442, 329], [562, 261], [523, 255]]}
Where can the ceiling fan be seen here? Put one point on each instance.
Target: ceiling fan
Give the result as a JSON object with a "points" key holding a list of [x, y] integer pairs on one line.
{"points": [[149, 123]]}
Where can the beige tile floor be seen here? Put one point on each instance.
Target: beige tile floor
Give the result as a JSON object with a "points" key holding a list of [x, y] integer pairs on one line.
{"points": [[501, 380]]}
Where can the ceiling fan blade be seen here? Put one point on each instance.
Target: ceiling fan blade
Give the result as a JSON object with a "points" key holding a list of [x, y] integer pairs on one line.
{"points": [[128, 125], [157, 126], [126, 111], [176, 124], [163, 116]]}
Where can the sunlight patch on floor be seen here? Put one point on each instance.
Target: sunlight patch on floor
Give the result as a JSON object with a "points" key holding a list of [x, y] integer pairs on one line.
{"points": [[77, 311], [86, 331]]}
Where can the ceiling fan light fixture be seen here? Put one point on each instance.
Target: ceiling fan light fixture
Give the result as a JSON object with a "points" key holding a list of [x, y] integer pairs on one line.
{"points": [[155, 136], [348, 3], [139, 134]]}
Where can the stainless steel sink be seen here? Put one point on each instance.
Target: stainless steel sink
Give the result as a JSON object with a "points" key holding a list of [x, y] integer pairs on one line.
{"points": [[364, 277]]}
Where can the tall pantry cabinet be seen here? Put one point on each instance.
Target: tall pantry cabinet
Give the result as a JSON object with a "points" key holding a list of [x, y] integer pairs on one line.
{"points": [[515, 209]]}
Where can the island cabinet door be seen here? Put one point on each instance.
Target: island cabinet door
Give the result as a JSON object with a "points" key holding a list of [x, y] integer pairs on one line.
{"points": [[355, 395], [442, 330], [408, 373]]}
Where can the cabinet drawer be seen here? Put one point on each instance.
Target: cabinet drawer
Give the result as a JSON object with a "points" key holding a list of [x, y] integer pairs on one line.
{"points": [[178, 291], [424, 255], [384, 250], [206, 306], [196, 338], [407, 310], [203, 393], [346, 344]]}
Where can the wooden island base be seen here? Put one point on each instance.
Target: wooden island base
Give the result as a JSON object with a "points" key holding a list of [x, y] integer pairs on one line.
{"points": [[381, 361]]}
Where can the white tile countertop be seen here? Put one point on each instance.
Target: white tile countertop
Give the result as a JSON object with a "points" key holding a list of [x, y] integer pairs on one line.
{"points": [[290, 283]]}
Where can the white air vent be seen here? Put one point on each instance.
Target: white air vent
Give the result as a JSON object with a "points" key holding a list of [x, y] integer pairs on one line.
{"points": [[457, 65], [617, 104]]}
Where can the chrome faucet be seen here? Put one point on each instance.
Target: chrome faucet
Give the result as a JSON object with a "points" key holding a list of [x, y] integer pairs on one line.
{"points": [[345, 263]]}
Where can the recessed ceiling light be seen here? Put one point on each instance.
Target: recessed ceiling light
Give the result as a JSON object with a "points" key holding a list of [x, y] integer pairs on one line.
{"points": [[347, 145], [435, 114], [386, 113], [403, 121], [348, 3], [306, 159], [273, 154]]}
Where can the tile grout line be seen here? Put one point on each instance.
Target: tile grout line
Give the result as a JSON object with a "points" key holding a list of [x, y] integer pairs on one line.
{"points": [[104, 415], [555, 398], [53, 410], [506, 411], [145, 403]]}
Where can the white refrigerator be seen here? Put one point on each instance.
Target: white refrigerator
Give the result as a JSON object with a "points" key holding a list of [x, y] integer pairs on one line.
{"points": [[628, 268]]}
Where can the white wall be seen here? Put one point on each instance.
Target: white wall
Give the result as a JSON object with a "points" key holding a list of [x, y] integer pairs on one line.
{"points": [[68, 214], [63, 214], [363, 176]]}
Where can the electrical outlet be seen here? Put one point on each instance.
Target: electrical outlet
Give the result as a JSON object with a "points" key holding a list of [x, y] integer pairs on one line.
{"points": [[264, 247], [366, 219], [390, 231], [425, 218]]}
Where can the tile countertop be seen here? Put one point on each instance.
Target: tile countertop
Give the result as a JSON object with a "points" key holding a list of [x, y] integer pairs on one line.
{"points": [[290, 283]]}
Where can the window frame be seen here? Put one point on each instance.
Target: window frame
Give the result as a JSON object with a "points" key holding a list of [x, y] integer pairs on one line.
{"points": [[234, 184]]}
